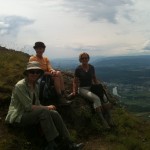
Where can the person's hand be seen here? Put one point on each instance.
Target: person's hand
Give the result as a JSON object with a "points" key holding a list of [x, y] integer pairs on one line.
{"points": [[51, 107], [74, 93], [71, 95], [53, 72]]}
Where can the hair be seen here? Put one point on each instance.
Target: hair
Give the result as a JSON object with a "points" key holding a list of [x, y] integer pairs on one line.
{"points": [[39, 44], [84, 53]]}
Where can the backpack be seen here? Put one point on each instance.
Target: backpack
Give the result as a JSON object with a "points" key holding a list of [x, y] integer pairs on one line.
{"points": [[48, 93], [101, 93]]}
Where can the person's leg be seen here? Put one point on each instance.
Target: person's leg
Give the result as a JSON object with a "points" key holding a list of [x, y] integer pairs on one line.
{"points": [[108, 114], [102, 118], [59, 123], [52, 126], [43, 117], [59, 87], [64, 133], [62, 86], [86, 93], [59, 82]]}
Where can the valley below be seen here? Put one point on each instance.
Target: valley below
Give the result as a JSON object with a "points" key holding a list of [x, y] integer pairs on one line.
{"points": [[134, 98]]}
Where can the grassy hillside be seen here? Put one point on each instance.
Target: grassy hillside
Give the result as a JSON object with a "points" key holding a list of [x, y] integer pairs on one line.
{"points": [[12, 64], [131, 133]]}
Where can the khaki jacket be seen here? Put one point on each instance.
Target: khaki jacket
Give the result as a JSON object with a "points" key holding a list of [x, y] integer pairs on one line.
{"points": [[21, 101]]}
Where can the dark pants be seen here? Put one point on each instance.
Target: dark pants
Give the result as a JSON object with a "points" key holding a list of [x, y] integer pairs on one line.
{"points": [[50, 121]]}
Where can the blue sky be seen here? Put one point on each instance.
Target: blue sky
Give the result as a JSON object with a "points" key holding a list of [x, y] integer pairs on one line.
{"points": [[69, 27]]}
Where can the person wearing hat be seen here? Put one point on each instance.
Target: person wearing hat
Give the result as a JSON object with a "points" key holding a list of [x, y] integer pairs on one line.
{"points": [[25, 109], [49, 72]]}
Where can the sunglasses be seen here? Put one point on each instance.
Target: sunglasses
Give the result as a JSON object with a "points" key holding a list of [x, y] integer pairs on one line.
{"points": [[84, 58], [34, 71]]}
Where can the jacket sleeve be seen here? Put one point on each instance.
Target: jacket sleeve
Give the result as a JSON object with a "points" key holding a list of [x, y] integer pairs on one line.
{"points": [[23, 97]]}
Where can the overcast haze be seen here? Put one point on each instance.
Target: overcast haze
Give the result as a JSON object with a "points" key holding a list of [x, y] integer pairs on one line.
{"points": [[69, 27]]}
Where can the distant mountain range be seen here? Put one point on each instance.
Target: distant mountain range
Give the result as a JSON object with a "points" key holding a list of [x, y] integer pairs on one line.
{"points": [[121, 69]]}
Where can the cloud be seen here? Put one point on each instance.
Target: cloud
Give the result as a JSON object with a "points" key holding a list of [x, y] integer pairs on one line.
{"points": [[100, 10], [11, 25], [146, 45]]}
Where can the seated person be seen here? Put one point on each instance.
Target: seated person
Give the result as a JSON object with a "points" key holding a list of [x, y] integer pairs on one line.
{"points": [[84, 77], [25, 110], [55, 75]]}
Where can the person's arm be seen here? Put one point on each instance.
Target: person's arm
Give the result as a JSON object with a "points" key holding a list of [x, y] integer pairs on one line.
{"points": [[95, 81], [50, 70], [21, 94], [50, 107], [75, 85], [26, 101], [49, 65]]}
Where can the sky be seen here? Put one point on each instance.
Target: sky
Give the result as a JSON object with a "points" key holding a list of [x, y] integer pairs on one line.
{"points": [[70, 27]]}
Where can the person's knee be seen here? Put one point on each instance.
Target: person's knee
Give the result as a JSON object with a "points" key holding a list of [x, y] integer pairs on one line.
{"points": [[58, 73], [49, 113], [97, 103], [44, 113], [54, 113]]}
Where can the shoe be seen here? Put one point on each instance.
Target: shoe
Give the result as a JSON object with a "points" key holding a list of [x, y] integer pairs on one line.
{"points": [[74, 146], [68, 144], [63, 102]]}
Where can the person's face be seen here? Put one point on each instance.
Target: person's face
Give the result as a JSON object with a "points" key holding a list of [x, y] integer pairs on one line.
{"points": [[39, 51], [84, 59], [33, 75]]}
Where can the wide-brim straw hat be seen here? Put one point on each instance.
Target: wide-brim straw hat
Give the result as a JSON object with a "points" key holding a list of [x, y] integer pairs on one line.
{"points": [[33, 65]]}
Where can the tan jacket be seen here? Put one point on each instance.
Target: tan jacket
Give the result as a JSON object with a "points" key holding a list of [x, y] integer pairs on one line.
{"points": [[21, 101]]}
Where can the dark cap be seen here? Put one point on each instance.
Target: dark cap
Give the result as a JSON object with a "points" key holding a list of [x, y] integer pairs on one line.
{"points": [[39, 44]]}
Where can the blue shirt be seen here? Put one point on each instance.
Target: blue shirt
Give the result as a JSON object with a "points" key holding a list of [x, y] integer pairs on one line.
{"points": [[85, 77]]}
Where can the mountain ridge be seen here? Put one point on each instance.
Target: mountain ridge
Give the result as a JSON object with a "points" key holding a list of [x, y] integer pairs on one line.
{"points": [[134, 68]]}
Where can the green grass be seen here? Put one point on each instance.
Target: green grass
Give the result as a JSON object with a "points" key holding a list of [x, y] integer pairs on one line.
{"points": [[131, 133], [12, 65]]}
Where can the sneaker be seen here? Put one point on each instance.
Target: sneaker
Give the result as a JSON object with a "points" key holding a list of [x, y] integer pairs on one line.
{"points": [[68, 144]]}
